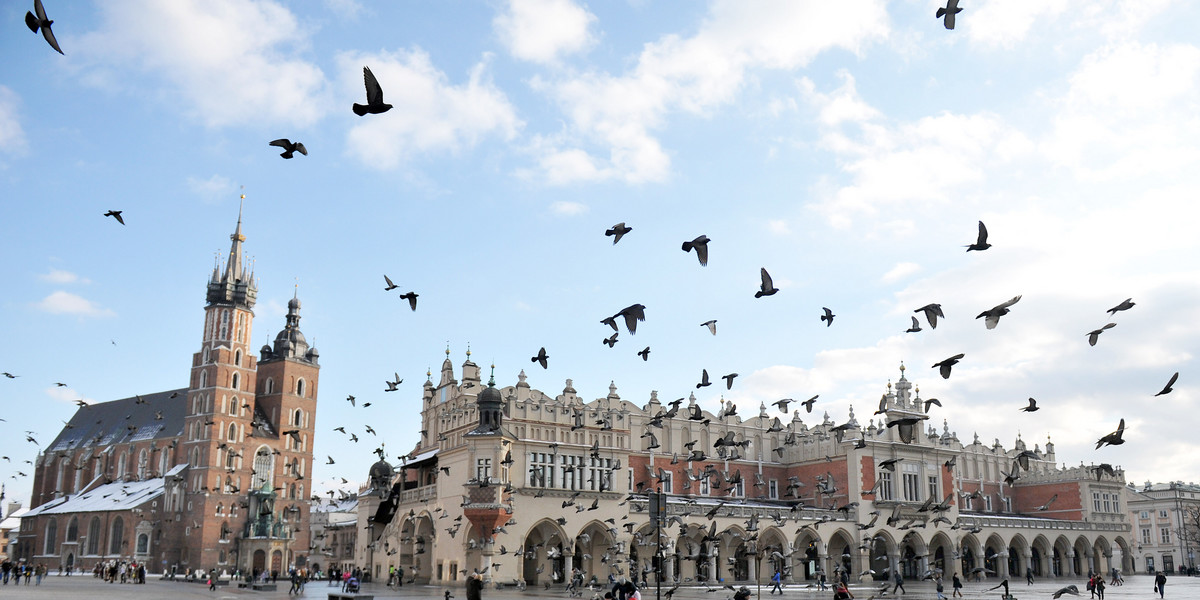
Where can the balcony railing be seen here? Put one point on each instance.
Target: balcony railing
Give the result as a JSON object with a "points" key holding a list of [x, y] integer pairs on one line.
{"points": [[420, 494]]}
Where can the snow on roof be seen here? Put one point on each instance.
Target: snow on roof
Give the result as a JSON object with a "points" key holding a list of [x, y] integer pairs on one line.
{"points": [[118, 495], [13, 519]]}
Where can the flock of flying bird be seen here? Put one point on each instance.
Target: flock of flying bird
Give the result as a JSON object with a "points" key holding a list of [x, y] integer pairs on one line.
{"points": [[37, 21]]}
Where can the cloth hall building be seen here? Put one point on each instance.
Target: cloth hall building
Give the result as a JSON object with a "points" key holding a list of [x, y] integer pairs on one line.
{"points": [[208, 476], [524, 485]]}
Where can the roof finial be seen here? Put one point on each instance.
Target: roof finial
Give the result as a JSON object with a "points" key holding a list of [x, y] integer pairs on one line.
{"points": [[492, 377], [468, 351], [447, 348], [296, 290]]}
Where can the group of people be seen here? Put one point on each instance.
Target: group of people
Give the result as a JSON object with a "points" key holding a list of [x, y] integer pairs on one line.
{"points": [[123, 571], [17, 570]]}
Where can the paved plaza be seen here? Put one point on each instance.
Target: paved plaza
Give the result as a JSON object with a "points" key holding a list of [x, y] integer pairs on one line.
{"points": [[89, 588]]}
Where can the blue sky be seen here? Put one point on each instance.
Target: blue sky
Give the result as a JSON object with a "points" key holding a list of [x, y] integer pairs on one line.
{"points": [[849, 148]]}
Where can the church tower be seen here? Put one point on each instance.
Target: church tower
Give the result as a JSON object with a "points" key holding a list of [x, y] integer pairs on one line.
{"points": [[219, 409]]}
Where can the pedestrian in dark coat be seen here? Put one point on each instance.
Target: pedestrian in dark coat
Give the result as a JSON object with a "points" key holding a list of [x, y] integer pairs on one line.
{"points": [[475, 587]]}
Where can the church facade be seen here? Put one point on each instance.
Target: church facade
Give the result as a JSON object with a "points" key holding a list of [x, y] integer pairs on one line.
{"points": [[208, 476], [527, 486]]}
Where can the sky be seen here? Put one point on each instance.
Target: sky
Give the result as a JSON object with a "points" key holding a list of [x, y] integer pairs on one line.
{"points": [[849, 148]]}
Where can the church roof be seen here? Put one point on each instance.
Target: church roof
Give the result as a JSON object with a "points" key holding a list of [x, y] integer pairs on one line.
{"points": [[118, 495], [124, 420]]}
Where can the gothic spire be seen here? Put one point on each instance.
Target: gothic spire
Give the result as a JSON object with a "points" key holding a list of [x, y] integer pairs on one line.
{"points": [[235, 286]]}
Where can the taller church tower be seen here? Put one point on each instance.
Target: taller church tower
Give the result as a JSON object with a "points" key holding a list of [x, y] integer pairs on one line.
{"points": [[220, 410]]}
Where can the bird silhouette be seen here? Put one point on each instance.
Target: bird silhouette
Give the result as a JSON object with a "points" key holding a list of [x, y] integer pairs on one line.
{"points": [[700, 244], [116, 214], [704, 382], [645, 353], [1033, 407], [947, 16], [617, 231], [40, 21], [981, 242], [390, 286], [991, 316], [1114, 438], [944, 366], [374, 103], [1167, 389], [916, 326], [808, 404], [541, 357], [828, 316], [632, 314], [1095, 334], [932, 312], [1070, 589], [611, 340], [412, 299], [289, 147], [766, 288], [711, 324], [729, 380], [1126, 305]]}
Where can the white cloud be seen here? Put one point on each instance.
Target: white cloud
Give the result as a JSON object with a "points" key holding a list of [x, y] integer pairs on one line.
{"points": [[12, 136], [902, 270], [1129, 111], [612, 116], [62, 277], [1004, 23], [778, 227], [346, 9], [430, 113], [67, 395], [66, 303], [541, 30], [212, 189], [227, 62], [567, 208]]}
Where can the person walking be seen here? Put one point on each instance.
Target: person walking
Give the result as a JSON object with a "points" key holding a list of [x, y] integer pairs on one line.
{"points": [[1160, 584], [956, 583], [899, 584], [821, 581], [475, 587], [1028, 576], [1100, 586], [777, 580], [940, 590]]}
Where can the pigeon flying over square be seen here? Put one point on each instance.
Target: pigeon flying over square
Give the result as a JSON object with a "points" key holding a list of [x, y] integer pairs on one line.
{"points": [[932, 312], [711, 325], [116, 214], [374, 103], [1095, 334], [947, 16], [40, 21], [289, 147], [618, 230], [1126, 305], [981, 242], [1114, 438], [766, 288], [541, 357], [1168, 389], [991, 317], [828, 316], [944, 366], [700, 244]]}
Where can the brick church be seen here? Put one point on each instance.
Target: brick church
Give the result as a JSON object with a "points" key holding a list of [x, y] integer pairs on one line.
{"points": [[208, 476]]}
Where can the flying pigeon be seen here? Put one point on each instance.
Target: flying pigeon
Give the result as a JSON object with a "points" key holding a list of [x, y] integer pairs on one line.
{"points": [[412, 299], [944, 366], [1114, 438], [1032, 406], [617, 231], [40, 21], [1095, 334], [766, 288], [289, 147], [711, 324], [991, 317], [116, 214], [541, 357], [374, 103], [947, 16], [828, 316], [701, 246], [1168, 389], [645, 353], [932, 312], [1126, 305]]}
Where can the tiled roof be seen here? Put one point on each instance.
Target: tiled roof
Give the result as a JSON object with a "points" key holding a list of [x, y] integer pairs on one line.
{"points": [[159, 415]]}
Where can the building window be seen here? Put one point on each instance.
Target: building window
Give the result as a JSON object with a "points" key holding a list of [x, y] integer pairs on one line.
{"points": [[885, 485], [116, 540], [1145, 514], [483, 469], [269, 386], [739, 489], [73, 530], [1007, 504], [667, 481], [300, 387], [933, 487], [93, 541], [1162, 514], [773, 489], [912, 488], [51, 537], [263, 467], [143, 544], [987, 503], [297, 417], [1107, 503], [237, 358], [1096, 501], [1165, 534], [237, 379], [1146, 536]]}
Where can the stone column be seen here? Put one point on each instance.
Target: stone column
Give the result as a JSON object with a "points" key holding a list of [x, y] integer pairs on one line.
{"points": [[1069, 568], [893, 563], [1119, 558], [668, 567], [1027, 554], [1002, 564], [712, 566]]}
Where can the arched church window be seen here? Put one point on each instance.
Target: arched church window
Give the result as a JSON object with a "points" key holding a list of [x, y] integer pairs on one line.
{"points": [[237, 357], [236, 381], [300, 387], [263, 467]]}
